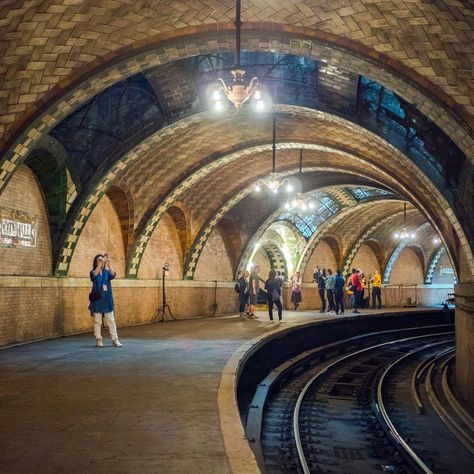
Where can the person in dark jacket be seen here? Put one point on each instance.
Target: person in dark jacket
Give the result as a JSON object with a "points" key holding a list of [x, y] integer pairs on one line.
{"points": [[320, 278], [243, 282], [101, 277], [339, 286], [273, 289]]}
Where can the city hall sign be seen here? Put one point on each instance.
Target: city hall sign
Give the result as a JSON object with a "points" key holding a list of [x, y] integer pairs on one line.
{"points": [[17, 228]]}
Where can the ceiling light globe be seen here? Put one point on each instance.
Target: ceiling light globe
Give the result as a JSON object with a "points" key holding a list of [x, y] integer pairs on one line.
{"points": [[289, 187], [216, 95], [258, 95], [258, 188], [218, 106], [260, 105], [397, 235], [412, 235]]}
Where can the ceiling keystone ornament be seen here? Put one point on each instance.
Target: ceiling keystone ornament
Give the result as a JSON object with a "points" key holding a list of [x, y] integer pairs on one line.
{"points": [[238, 92]]}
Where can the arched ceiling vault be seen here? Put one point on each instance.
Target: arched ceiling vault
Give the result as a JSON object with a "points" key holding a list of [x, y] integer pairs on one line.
{"points": [[358, 143], [314, 178], [108, 60]]}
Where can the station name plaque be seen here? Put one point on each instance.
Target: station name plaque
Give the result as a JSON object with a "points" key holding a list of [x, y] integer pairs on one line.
{"points": [[17, 228]]}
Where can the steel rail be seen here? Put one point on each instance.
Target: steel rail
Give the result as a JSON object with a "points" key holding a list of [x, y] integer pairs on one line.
{"points": [[380, 406], [466, 437], [296, 413]]}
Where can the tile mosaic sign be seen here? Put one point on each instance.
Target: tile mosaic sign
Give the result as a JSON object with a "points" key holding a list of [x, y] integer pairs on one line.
{"points": [[17, 228]]}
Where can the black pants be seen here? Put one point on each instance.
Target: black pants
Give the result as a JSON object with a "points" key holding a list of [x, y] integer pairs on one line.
{"points": [[278, 304], [339, 303], [358, 295], [332, 305], [377, 293], [243, 300], [323, 299]]}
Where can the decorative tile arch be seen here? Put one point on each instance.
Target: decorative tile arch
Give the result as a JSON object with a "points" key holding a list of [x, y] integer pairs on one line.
{"points": [[387, 273], [145, 230], [433, 263], [349, 258], [162, 48], [206, 229]]}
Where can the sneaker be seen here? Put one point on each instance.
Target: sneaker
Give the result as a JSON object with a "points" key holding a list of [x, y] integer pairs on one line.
{"points": [[116, 343], [355, 311], [99, 342], [282, 321], [271, 321]]}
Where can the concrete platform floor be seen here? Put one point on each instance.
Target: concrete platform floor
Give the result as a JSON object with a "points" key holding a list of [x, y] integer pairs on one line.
{"points": [[150, 406]]}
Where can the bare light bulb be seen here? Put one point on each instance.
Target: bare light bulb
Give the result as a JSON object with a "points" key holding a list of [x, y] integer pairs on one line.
{"points": [[258, 188], [216, 95], [260, 105], [289, 187], [218, 105]]}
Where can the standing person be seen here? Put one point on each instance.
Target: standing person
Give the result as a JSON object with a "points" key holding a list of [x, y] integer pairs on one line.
{"points": [[296, 282], [102, 300], [377, 289], [243, 284], [273, 289], [339, 285], [254, 287], [356, 287], [321, 281], [281, 280], [330, 282]]}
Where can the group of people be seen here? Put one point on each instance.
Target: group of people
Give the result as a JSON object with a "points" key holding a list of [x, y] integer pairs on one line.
{"points": [[332, 289], [248, 287]]}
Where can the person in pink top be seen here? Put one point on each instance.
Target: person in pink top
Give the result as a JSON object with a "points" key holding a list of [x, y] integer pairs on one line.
{"points": [[356, 287]]}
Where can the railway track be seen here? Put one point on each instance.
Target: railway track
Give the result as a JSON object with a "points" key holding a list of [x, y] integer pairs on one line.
{"points": [[368, 403]]}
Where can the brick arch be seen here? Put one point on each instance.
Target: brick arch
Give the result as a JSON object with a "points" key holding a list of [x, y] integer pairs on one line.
{"points": [[180, 215], [395, 254], [335, 245], [230, 233], [122, 201], [377, 249], [186, 42], [214, 162], [370, 229], [227, 203], [52, 178], [276, 256]]}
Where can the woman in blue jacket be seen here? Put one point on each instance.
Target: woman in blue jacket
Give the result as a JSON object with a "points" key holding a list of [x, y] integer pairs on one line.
{"points": [[102, 299]]}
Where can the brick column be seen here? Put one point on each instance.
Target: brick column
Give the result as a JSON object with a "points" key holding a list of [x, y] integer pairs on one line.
{"points": [[465, 341]]}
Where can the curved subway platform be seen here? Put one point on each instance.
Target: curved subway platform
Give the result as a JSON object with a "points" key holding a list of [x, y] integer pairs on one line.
{"points": [[158, 404]]}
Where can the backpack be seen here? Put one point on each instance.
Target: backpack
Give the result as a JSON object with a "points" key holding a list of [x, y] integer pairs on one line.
{"points": [[237, 288]]}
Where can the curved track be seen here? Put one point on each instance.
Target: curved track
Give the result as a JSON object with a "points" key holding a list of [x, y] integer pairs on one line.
{"points": [[352, 407]]}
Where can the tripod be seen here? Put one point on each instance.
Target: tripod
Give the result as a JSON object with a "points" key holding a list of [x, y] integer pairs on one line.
{"points": [[161, 313]]}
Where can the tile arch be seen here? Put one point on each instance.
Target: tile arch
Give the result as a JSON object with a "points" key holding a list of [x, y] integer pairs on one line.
{"points": [[84, 211], [432, 101]]}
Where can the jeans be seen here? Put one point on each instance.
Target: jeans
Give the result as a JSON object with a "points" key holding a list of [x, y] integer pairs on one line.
{"points": [[357, 299], [323, 299], [110, 322], [278, 304], [377, 293], [243, 301], [332, 305], [339, 303]]}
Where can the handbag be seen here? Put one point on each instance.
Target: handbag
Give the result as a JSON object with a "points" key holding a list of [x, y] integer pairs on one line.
{"points": [[94, 295]]}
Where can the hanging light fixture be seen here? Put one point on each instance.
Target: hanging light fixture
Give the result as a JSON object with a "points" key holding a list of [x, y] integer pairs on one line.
{"points": [[273, 182], [238, 92], [298, 202], [404, 234]]}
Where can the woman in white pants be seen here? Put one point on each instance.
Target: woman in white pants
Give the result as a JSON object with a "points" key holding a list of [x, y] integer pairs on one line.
{"points": [[102, 300]]}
